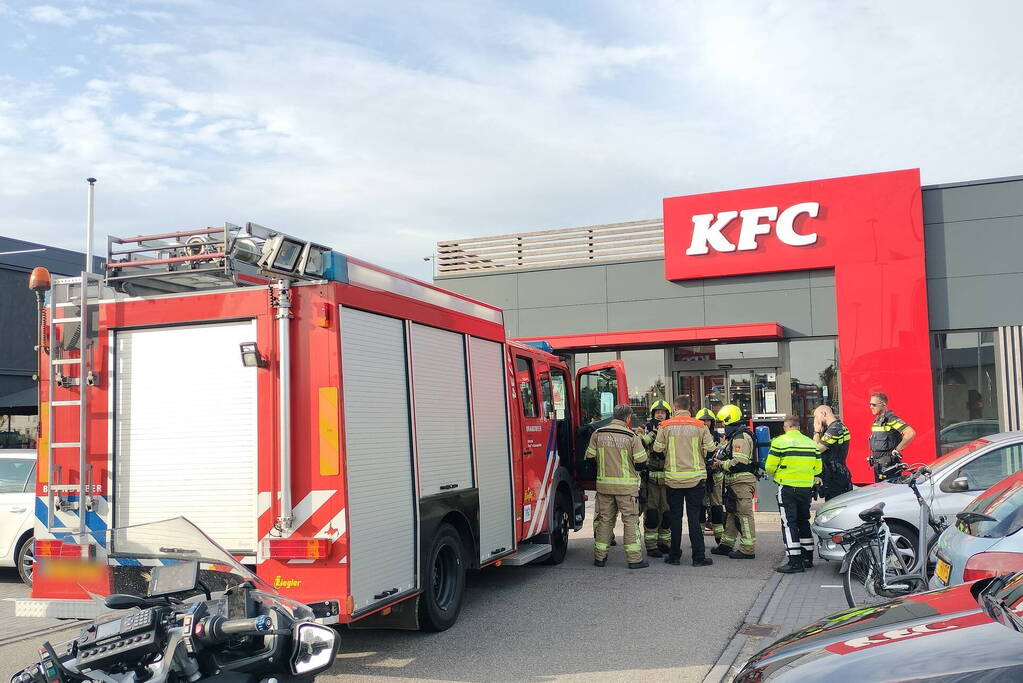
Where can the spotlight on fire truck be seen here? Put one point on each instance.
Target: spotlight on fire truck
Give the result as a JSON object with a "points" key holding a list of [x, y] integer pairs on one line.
{"points": [[251, 357], [281, 255], [315, 261]]}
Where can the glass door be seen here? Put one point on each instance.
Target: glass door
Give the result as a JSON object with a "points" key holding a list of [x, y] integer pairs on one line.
{"points": [[754, 391]]}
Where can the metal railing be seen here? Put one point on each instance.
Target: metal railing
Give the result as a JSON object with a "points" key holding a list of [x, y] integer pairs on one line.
{"points": [[568, 246]]}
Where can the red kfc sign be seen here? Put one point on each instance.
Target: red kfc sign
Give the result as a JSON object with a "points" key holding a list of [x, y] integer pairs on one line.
{"points": [[869, 229]]}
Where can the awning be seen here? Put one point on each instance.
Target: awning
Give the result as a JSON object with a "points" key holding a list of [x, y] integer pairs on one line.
{"points": [[710, 334]]}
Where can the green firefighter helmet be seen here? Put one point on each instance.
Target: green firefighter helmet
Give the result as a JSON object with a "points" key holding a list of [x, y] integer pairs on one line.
{"points": [[730, 414], [660, 405]]}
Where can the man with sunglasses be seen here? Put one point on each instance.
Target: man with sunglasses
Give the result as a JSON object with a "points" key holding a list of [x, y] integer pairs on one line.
{"points": [[888, 436]]}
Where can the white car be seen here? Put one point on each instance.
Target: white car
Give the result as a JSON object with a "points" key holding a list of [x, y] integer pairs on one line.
{"points": [[17, 507], [958, 477]]}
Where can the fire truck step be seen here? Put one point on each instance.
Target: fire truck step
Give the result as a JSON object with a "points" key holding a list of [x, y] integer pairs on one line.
{"points": [[72, 402], [67, 444], [66, 320], [529, 552], [67, 361]]}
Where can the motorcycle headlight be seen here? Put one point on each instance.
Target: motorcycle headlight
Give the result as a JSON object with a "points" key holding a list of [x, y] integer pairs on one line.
{"points": [[315, 648], [825, 516]]}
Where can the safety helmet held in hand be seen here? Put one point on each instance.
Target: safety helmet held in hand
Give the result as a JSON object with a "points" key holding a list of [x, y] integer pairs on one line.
{"points": [[660, 405], [706, 414], [730, 414]]}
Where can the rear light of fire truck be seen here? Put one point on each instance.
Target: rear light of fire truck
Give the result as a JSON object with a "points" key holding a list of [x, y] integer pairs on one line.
{"points": [[298, 548], [54, 548]]}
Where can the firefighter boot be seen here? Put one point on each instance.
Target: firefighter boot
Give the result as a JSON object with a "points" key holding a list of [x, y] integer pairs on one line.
{"points": [[600, 563], [721, 550], [642, 564], [793, 566], [739, 555], [807, 559]]}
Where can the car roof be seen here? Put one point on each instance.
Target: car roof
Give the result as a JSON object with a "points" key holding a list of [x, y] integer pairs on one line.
{"points": [[22, 453], [1003, 436]]}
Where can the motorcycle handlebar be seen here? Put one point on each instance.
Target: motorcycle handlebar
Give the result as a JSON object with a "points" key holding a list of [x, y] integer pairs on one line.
{"points": [[219, 629]]}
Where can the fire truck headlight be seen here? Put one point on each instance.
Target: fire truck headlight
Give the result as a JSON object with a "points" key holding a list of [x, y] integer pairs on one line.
{"points": [[251, 358]]}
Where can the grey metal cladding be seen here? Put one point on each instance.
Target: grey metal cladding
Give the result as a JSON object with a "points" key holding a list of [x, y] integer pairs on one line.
{"points": [[498, 289], [642, 280], [790, 308], [493, 454], [442, 410], [971, 302], [378, 458], [562, 287], [972, 201], [562, 320], [655, 314], [980, 247], [823, 311]]}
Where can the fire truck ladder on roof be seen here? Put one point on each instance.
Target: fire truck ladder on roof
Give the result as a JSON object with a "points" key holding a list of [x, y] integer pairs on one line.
{"points": [[72, 303]]}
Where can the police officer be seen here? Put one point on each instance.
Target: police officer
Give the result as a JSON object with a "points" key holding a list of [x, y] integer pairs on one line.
{"points": [[657, 534], [685, 442], [619, 452], [832, 440], [794, 462], [714, 511], [736, 460], [888, 436]]}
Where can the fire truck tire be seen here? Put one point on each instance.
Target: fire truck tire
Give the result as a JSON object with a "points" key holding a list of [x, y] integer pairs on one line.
{"points": [[441, 600], [561, 525]]}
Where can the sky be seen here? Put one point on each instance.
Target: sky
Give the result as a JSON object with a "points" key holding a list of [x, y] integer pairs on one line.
{"points": [[380, 128]]}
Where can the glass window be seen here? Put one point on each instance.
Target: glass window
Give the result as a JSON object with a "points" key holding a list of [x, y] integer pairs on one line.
{"points": [[19, 431], [524, 378], [711, 352], [598, 391], [584, 359], [739, 391], [14, 475], [547, 395], [814, 367], [559, 394], [965, 390], [991, 468], [1003, 503], [645, 372]]}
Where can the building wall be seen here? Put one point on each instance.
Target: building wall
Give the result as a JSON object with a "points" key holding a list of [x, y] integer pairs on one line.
{"points": [[973, 234]]}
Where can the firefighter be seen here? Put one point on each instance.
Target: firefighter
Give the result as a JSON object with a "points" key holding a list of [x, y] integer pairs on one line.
{"points": [[657, 533], [685, 442], [832, 438], [714, 511], [888, 436], [737, 460], [795, 462], [620, 454]]}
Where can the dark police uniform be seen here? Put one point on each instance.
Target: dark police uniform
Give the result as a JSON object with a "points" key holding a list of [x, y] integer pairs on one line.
{"points": [[885, 435], [835, 477]]}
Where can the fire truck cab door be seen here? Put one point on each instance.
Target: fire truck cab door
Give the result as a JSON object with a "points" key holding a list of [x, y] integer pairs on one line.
{"points": [[539, 449], [599, 389]]}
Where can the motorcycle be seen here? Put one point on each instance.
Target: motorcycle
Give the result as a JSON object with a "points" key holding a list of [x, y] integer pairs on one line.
{"points": [[184, 610]]}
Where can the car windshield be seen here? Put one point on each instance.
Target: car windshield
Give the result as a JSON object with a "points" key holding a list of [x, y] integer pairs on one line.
{"points": [[131, 552], [1002, 507], [953, 457]]}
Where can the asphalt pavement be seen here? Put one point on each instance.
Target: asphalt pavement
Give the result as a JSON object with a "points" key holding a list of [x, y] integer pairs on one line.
{"points": [[541, 623]]}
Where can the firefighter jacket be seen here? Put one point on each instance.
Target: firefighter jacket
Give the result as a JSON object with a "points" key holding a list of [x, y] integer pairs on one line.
{"points": [[738, 464], [617, 450], [885, 434], [656, 460], [685, 442], [793, 460]]}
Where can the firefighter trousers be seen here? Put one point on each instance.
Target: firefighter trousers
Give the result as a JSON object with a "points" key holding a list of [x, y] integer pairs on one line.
{"points": [[713, 503], [655, 518], [692, 499], [608, 507], [740, 529], [794, 505]]}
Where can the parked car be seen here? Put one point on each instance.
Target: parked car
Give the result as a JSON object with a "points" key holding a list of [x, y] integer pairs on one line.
{"points": [[957, 434], [956, 479], [962, 633], [984, 541], [17, 510]]}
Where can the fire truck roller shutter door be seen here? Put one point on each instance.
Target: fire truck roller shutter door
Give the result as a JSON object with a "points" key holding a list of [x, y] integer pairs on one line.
{"points": [[378, 457], [442, 410], [185, 430], [493, 455]]}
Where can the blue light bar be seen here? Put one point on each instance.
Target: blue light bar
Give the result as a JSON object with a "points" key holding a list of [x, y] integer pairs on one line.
{"points": [[542, 345]]}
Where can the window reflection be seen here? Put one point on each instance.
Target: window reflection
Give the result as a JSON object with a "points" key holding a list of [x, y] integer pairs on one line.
{"points": [[965, 389], [814, 366], [645, 373]]}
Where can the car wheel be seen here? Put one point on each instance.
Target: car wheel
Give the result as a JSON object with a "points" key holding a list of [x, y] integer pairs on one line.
{"points": [[441, 600], [26, 560], [904, 538], [560, 526]]}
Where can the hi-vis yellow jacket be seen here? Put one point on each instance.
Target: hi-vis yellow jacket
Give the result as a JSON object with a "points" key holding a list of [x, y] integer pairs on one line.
{"points": [[793, 459], [685, 442]]}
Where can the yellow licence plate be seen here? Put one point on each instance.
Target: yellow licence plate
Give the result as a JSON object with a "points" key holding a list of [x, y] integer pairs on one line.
{"points": [[943, 570]]}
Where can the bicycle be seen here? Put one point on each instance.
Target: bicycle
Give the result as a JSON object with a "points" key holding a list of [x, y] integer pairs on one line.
{"points": [[873, 568]]}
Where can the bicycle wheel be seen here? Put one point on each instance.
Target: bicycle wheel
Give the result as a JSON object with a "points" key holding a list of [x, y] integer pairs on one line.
{"points": [[865, 581]]}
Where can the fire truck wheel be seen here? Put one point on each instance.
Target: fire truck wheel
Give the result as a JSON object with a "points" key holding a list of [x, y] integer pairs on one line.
{"points": [[560, 526], [442, 598]]}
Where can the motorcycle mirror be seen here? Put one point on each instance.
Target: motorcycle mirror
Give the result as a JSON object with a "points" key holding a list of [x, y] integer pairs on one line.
{"points": [[316, 647], [122, 601]]}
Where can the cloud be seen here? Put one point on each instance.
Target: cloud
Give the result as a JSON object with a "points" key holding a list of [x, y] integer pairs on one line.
{"points": [[48, 14], [381, 129], [65, 71]]}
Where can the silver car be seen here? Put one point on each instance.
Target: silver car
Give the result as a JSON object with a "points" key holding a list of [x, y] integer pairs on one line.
{"points": [[985, 539], [956, 479]]}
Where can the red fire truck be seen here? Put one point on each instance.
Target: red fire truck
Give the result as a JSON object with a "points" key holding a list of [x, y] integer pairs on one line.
{"points": [[360, 437]]}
